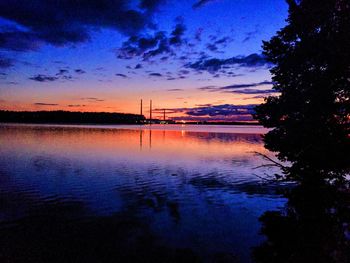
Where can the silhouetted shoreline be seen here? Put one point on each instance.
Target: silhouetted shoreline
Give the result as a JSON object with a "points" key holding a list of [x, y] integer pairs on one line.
{"points": [[67, 117], [92, 118]]}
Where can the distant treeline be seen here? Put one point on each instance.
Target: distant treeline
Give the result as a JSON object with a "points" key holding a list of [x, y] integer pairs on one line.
{"points": [[67, 117], [223, 123]]}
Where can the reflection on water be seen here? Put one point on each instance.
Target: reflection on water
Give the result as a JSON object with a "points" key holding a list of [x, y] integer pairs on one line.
{"points": [[314, 226], [94, 194]]}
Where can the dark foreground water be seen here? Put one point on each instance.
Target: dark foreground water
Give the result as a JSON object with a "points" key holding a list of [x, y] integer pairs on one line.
{"points": [[129, 193]]}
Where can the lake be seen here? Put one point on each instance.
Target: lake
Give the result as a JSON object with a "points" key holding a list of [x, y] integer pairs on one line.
{"points": [[160, 193]]}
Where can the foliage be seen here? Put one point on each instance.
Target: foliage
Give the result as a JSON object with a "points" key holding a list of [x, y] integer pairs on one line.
{"points": [[311, 116]]}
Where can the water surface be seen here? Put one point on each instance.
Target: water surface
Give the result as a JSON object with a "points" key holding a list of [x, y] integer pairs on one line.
{"points": [[131, 193]]}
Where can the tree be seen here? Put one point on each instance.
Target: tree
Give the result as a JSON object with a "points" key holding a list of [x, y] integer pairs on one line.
{"points": [[311, 116]]}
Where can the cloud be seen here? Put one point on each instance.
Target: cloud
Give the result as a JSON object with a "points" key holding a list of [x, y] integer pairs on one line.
{"points": [[224, 112], [14, 40], [214, 64], [241, 88], [198, 34], [252, 34], [92, 99], [151, 4], [11, 83], [80, 71], [252, 91], [184, 72], [155, 74], [201, 3], [222, 42], [176, 37], [45, 104], [212, 47], [69, 21], [6, 63], [175, 90], [208, 88], [76, 105], [149, 46], [121, 75], [43, 78], [62, 74]]}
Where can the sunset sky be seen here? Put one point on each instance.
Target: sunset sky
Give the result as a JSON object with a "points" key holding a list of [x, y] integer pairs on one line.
{"points": [[199, 59]]}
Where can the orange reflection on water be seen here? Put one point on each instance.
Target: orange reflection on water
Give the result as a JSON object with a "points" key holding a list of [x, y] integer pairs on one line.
{"points": [[134, 147]]}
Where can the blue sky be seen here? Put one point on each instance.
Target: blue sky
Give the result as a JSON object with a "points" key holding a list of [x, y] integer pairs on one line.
{"points": [[198, 59]]}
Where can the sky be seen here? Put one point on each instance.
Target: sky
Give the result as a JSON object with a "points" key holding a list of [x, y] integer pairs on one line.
{"points": [[198, 59]]}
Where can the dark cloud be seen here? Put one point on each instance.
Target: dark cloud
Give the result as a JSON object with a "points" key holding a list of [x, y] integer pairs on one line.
{"points": [[45, 104], [5, 63], [224, 112], [155, 74], [251, 35], [92, 99], [201, 3], [198, 35], [208, 88], [3, 75], [80, 71], [62, 74], [215, 64], [151, 4], [149, 46], [143, 46], [44, 78], [121, 75], [252, 91], [69, 21], [76, 105], [183, 72], [259, 97], [212, 47], [250, 85], [241, 88], [222, 42], [138, 66], [204, 105], [176, 37], [14, 40], [175, 90]]}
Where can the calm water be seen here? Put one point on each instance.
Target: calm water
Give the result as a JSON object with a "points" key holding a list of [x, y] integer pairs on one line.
{"points": [[130, 193]]}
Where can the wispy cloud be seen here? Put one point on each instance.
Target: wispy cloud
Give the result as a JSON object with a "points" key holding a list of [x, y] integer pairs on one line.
{"points": [[45, 104], [155, 74], [241, 88], [121, 75], [43, 78], [93, 99], [175, 90]]}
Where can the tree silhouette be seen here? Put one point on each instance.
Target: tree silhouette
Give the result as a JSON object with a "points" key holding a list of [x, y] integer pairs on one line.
{"points": [[311, 116]]}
